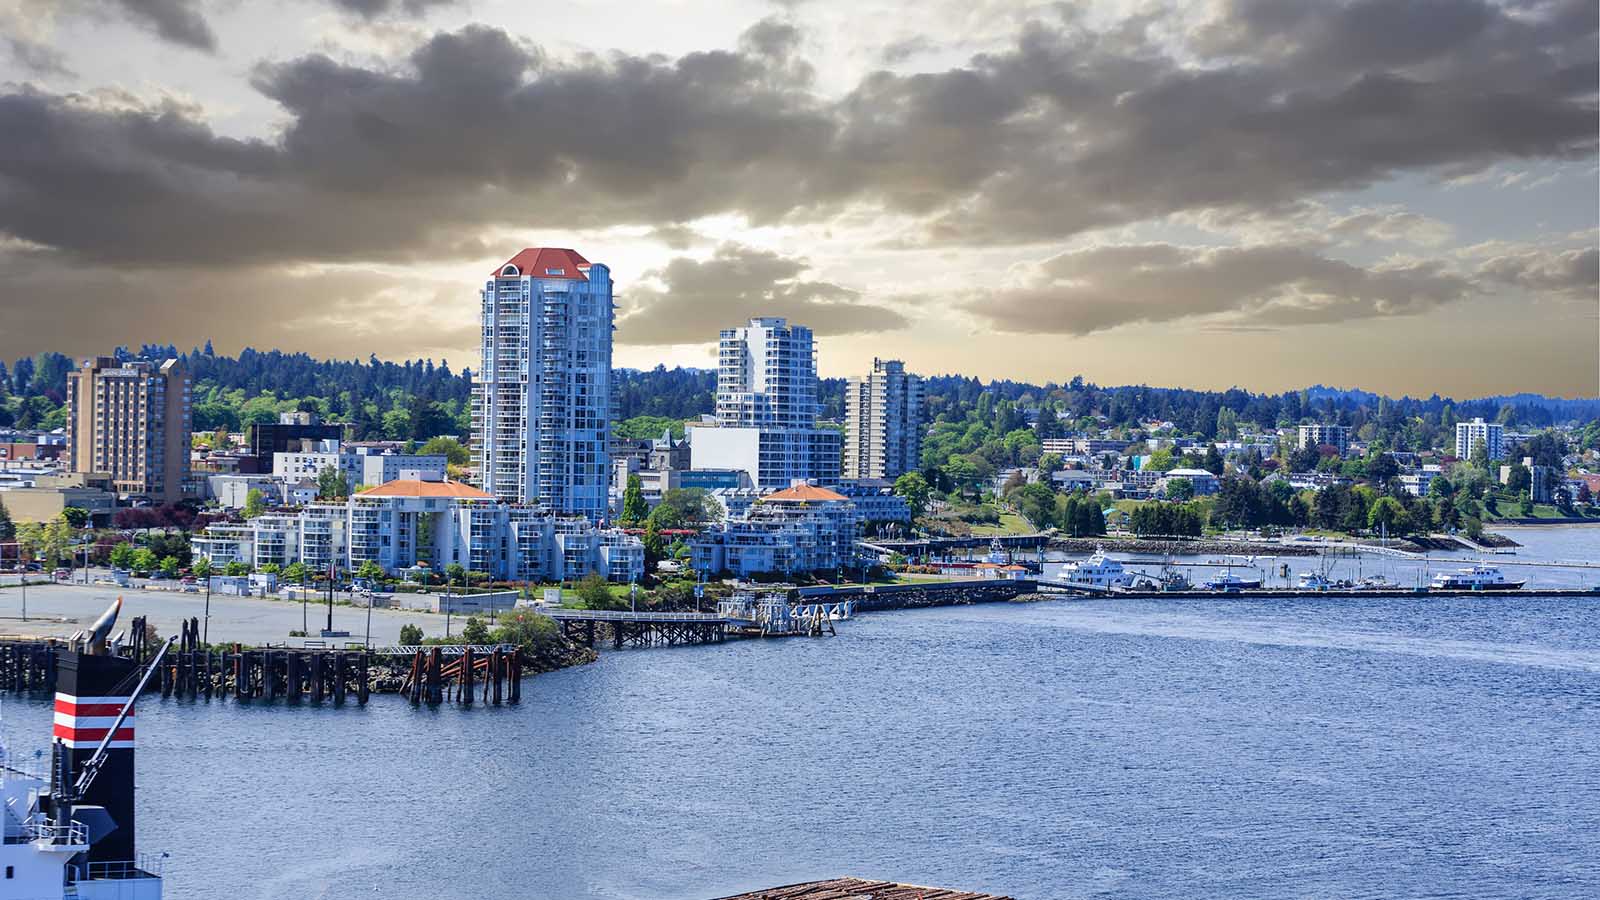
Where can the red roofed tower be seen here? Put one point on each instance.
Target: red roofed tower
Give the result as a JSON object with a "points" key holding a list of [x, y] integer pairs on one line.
{"points": [[542, 406]]}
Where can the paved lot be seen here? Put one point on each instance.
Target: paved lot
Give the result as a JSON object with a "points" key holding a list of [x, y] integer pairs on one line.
{"points": [[60, 609]]}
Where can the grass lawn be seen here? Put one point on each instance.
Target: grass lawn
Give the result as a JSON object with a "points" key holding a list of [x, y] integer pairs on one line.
{"points": [[1010, 523]]}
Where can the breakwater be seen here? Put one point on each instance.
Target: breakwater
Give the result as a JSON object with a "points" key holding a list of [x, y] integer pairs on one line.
{"points": [[877, 598]]}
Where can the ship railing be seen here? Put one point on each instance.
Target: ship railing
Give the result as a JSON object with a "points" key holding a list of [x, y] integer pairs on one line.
{"points": [[148, 865], [72, 834]]}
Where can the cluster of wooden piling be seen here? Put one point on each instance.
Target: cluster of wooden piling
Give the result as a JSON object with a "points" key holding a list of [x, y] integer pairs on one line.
{"points": [[496, 674], [27, 666]]}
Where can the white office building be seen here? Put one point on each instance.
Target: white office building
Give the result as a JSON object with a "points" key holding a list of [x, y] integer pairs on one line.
{"points": [[542, 406], [766, 420], [883, 422], [1469, 434]]}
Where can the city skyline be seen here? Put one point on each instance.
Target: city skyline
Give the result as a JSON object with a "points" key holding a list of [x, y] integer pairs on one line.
{"points": [[1358, 195]]}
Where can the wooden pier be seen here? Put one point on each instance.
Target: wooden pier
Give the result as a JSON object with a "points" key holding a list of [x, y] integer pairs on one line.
{"points": [[621, 628], [296, 675], [461, 674]]}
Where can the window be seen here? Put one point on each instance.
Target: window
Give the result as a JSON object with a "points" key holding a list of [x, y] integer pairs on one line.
{"points": [[555, 271]]}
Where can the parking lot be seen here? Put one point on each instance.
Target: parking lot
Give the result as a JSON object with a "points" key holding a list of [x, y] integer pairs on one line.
{"points": [[57, 610]]}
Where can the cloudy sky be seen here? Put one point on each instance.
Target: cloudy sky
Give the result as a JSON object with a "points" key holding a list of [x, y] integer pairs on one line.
{"points": [[1400, 196]]}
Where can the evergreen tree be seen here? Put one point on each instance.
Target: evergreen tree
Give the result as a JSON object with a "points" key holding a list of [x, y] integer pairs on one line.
{"points": [[634, 507], [8, 529]]}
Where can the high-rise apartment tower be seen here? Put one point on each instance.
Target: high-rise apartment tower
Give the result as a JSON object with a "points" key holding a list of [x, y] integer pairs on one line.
{"points": [[542, 405], [882, 422], [766, 422]]}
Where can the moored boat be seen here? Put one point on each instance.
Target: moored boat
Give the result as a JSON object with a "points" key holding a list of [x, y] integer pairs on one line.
{"points": [[1479, 577]]}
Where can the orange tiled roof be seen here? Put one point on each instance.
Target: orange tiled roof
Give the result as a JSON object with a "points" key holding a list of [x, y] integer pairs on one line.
{"points": [[450, 490], [804, 493], [547, 262]]}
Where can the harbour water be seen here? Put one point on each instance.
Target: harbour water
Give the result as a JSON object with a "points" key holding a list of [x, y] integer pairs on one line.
{"points": [[1077, 748]]}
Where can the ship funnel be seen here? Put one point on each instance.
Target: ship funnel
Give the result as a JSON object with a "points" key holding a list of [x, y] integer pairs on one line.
{"points": [[96, 640]]}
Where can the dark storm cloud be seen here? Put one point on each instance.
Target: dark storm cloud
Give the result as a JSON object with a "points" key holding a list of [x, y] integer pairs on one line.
{"points": [[177, 21], [48, 304], [1103, 287], [373, 9], [1068, 130], [698, 298]]}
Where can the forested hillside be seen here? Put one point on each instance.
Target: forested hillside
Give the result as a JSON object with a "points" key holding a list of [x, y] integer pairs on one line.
{"points": [[416, 399]]}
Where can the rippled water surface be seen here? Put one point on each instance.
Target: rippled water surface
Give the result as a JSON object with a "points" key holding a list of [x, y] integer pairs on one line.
{"points": [[1344, 748]]}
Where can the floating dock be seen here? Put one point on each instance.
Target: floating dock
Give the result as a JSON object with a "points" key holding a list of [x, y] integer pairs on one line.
{"points": [[861, 889]]}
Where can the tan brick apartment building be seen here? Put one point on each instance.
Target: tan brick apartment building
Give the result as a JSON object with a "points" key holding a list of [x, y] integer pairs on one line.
{"points": [[131, 420]]}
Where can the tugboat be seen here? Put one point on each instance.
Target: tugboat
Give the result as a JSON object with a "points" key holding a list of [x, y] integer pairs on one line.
{"points": [[70, 833], [1475, 578]]}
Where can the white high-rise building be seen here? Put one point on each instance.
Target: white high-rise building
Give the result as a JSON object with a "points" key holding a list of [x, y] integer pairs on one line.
{"points": [[542, 407], [767, 376], [1468, 434], [882, 422], [766, 422]]}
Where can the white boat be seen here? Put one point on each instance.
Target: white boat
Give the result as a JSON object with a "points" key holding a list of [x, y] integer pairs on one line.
{"points": [[1312, 581], [1099, 571], [1475, 578], [71, 834]]}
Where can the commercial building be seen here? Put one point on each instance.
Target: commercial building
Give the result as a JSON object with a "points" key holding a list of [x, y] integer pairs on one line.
{"points": [[801, 529], [1315, 436], [1204, 482], [1470, 434], [291, 431], [433, 522], [359, 465], [883, 422], [1083, 446], [542, 405], [766, 418], [130, 419], [45, 496]]}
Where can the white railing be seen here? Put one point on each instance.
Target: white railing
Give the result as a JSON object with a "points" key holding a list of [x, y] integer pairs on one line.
{"points": [[610, 615], [445, 649], [72, 834]]}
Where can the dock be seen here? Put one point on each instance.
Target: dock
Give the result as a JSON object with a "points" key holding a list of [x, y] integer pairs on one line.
{"points": [[1394, 593], [861, 889], [624, 628]]}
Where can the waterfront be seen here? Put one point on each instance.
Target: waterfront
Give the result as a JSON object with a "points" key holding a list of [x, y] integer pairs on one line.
{"points": [[1538, 544], [1072, 748]]}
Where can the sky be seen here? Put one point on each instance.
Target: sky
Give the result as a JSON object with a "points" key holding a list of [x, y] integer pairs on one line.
{"points": [[1396, 196]]}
